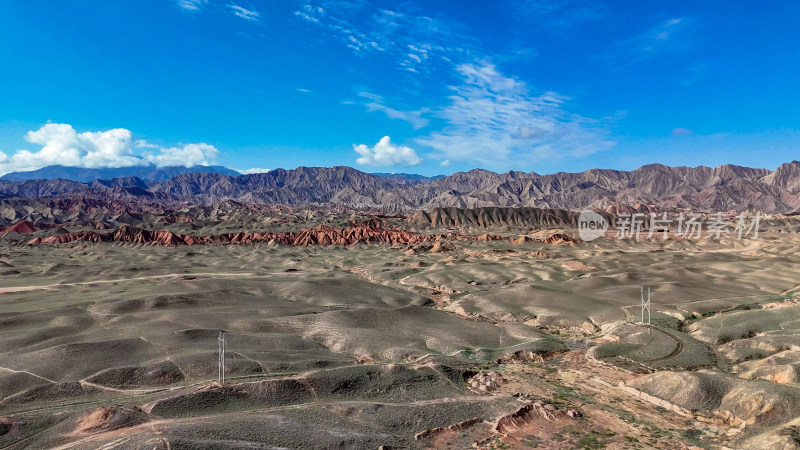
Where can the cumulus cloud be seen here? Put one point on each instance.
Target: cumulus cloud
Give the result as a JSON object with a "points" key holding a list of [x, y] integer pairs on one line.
{"points": [[61, 144], [493, 119], [141, 143], [188, 155], [384, 153]]}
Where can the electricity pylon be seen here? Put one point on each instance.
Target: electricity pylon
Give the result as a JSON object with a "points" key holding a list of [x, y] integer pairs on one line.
{"points": [[221, 345], [645, 304]]}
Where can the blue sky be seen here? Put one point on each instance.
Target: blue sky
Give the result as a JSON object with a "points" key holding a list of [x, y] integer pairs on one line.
{"points": [[412, 86]]}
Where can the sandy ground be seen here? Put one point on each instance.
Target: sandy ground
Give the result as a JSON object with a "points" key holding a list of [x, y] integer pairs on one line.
{"points": [[371, 345]]}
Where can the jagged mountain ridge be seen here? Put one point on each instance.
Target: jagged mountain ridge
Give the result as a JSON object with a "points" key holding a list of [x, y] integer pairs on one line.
{"points": [[86, 175], [722, 188]]}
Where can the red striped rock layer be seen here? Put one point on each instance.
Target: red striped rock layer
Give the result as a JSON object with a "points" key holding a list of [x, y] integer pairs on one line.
{"points": [[321, 235]]}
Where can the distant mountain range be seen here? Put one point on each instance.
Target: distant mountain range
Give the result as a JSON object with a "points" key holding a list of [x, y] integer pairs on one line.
{"points": [[158, 174], [83, 175], [723, 188], [408, 178]]}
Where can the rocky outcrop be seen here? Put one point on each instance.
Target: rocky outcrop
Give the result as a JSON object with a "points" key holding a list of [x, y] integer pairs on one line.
{"points": [[494, 217], [781, 368], [177, 218], [22, 227], [372, 231], [321, 235], [555, 238], [109, 418], [656, 401], [524, 415], [455, 427], [484, 382], [734, 401], [78, 236]]}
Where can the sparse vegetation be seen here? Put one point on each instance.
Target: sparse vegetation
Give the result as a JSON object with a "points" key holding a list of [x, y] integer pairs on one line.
{"points": [[366, 354], [591, 442]]}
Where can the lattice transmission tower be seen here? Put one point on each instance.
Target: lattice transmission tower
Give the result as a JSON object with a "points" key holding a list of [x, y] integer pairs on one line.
{"points": [[221, 345]]}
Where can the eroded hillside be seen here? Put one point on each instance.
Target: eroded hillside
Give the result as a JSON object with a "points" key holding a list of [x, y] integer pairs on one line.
{"points": [[484, 334]]}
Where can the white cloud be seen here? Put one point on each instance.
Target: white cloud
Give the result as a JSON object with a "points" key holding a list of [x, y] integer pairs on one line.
{"points": [[661, 32], [244, 13], [414, 42], [188, 155], [141, 143], [191, 5], [412, 117], [253, 170], [445, 163], [62, 144], [384, 153], [671, 36], [493, 119], [310, 13], [489, 117], [305, 91]]}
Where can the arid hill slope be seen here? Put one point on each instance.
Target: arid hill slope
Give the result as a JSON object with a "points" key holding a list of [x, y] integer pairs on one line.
{"points": [[720, 188], [492, 216]]}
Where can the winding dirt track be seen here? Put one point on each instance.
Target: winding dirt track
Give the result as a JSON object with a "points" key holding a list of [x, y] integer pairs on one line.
{"points": [[155, 424], [678, 348]]}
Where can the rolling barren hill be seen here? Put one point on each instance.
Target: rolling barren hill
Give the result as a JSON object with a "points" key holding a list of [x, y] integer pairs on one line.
{"points": [[453, 327], [653, 186], [365, 310], [490, 342]]}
